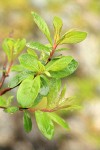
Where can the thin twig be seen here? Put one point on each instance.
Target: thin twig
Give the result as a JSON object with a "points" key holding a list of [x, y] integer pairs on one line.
{"points": [[3, 74], [2, 92], [30, 109]]}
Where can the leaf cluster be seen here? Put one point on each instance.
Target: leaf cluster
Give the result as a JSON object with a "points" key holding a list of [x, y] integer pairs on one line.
{"points": [[39, 77]]}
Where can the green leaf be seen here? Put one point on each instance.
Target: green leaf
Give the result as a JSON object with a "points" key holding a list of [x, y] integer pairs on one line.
{"points": [[45, 124], [58, 120], [38, 46], [3, 102], [13, 47], [42, 26], [27, 122], [19, 78], [29, 62], [8, 46], [72, 37], [54, 87], [11, 109], [59, 64], [32, 52], [72, 66], [68, 104], [41, 67], [18, 47], [57, 22], [17, 68], [28, 91]]}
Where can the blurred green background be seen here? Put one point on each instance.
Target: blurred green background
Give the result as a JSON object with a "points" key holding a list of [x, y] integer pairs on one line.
{"points": [[16, 21]]}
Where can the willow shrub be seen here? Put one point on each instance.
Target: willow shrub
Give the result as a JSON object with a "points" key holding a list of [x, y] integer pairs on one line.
{"points": [[38, 77]]}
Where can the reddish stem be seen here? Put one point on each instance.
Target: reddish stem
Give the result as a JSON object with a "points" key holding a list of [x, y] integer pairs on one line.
{"points": [[52, 52], [4, 73]]}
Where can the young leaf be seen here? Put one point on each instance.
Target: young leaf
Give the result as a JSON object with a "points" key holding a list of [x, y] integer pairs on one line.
{"points": [[28, 91], [11, 109], [8, 46], [27, 122], [54, 87], [72, 66], [57, 22], [38, 46], [72, 37], [58, 120], [13, 47], [59, 64], [18, 47], [42, 26], [45, 124], [47, 74], [41, 67]]}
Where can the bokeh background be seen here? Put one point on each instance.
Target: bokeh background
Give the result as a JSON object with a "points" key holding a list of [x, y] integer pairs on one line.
{"points": [[16, 21]]}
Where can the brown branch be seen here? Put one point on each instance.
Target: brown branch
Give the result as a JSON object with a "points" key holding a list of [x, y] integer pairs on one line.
{"points": [[3, 74], [2, 92]]}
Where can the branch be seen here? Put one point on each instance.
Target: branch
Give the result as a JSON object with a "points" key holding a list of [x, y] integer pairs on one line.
{"points": [[3, 74], [52, 52], [31, 109], [2, 92]]}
